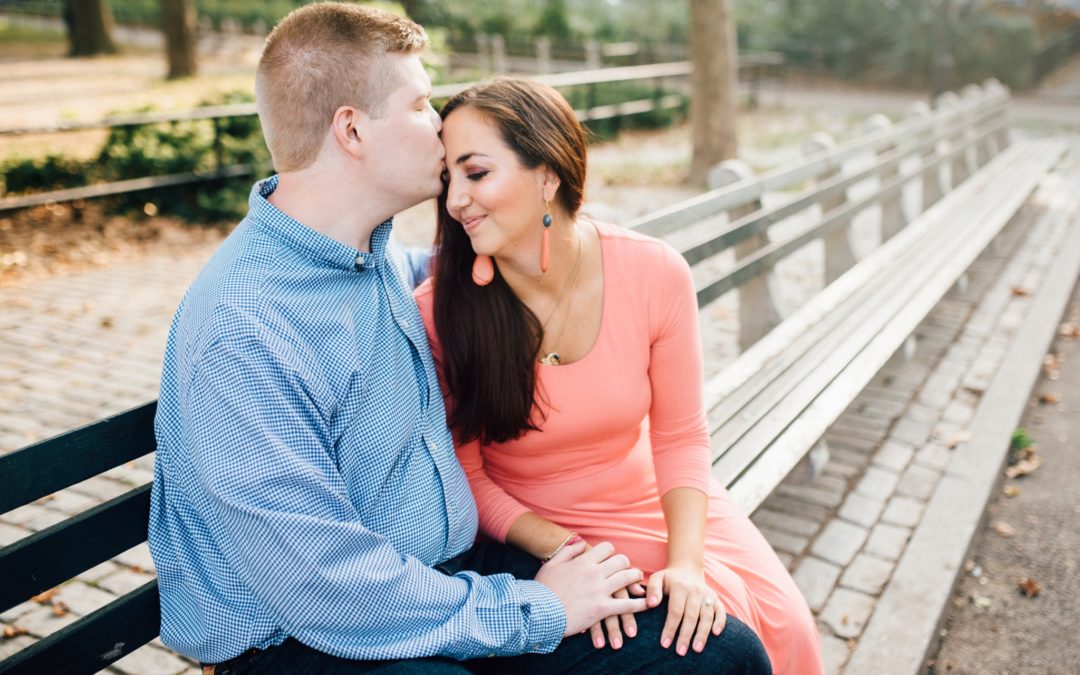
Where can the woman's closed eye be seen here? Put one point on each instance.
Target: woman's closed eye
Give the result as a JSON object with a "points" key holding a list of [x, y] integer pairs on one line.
{"points": [[476, 175]]}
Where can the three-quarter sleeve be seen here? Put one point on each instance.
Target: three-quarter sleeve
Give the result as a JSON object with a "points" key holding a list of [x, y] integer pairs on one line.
{"points": [[677, 424]]}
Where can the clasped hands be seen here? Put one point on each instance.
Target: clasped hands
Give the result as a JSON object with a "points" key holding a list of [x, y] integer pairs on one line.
{"points": [[600, 590]]}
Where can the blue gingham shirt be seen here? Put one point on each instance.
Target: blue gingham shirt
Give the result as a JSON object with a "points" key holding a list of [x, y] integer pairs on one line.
{"points": [[305, 480]]}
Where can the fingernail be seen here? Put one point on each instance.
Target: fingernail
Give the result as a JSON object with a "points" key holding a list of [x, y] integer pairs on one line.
{"points": [[682, 650], [665, 642], [632, 632], [653, 600], [598, 642], [698, 646], [615, 644]]}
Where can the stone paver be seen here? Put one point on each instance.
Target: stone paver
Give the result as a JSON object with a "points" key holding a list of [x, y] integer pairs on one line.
{"points": [[847, 612], [816, 579], [867, 574], [839, 542]]}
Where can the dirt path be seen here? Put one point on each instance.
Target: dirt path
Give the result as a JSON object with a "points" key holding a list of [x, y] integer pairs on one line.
{"points": [[993, 627]]}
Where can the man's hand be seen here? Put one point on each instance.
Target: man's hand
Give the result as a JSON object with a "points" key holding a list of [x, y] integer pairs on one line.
{"points": [[585, 581]]}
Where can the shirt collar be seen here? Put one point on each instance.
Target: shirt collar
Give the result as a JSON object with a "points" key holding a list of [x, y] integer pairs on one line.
{"points": [[308, 241]]}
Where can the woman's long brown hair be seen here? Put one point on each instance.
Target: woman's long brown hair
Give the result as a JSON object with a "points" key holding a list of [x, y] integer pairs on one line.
{"points": [[489, 338]]}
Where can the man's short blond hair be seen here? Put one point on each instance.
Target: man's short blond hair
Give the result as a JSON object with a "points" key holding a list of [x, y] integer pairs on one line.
{"points": [[318, 58]]}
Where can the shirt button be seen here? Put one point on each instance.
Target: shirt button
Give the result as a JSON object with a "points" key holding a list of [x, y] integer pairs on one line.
{"points": [[359, 262], [405, 323]]}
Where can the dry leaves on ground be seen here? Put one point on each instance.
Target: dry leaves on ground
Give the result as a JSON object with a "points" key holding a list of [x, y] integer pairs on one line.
{"points": [[1069, 330], [1020, 291], [1029, 587], [1026, 463], [1004, 529], [1052, 366], [957, 438], [59, 609], [1011, 491], [14, 632], [1049, 398], [45, 597]]}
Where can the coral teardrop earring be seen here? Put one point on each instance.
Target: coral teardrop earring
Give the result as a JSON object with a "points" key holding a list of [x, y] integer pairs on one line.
{"points": [[483, 270], [545, 245]]}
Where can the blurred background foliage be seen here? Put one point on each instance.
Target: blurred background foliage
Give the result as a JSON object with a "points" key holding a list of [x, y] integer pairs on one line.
{"points": [[886, 42]]}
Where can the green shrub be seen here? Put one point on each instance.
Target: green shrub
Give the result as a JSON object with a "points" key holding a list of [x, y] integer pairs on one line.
{"points": [[52, 172]]}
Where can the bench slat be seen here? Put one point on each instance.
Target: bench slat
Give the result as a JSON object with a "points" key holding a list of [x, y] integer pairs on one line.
{"points": [[815, 341], [774, 351], [94, 641], [54, 555], [795, 432], [767, 257], [59, 462], [745, 436]]}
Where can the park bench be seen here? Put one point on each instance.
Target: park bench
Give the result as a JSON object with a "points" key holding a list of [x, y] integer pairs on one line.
{"points": [[767, 410], [770, 408]]}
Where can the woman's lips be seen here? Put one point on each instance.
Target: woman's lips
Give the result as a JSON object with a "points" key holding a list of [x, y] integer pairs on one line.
{"points": [[471, 223]]}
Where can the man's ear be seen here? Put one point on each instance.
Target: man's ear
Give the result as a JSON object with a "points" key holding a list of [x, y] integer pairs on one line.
{"points": [[350, 128]]}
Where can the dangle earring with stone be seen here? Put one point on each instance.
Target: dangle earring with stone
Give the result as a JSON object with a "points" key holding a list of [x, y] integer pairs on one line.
{"points": [[545, 243]]}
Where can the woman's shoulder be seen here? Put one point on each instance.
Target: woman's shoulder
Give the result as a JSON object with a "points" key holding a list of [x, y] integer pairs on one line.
{"points": [[640, 248]]}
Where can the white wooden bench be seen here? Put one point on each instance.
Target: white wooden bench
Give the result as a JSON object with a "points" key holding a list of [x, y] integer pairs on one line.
{"points": [[771, 407]]}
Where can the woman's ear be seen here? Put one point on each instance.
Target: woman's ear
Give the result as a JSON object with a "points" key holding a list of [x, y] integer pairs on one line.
{"points": [[349, 127], [550, 185]]}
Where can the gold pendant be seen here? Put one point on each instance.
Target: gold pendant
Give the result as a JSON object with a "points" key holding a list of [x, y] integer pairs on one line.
{"points": [[550, 359]]}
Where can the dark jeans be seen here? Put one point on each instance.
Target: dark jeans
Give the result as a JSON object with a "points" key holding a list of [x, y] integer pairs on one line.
{"points": [[736, 651]]}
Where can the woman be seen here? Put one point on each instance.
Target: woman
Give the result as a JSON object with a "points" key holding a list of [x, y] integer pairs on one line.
{"points": [[570, 357]]}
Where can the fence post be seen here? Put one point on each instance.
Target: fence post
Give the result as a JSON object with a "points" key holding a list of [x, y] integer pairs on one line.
{"points": [[498, 54], [592, 54], [543, 55], [757, 298], [893, 218], [839, 255], [483, 52]]}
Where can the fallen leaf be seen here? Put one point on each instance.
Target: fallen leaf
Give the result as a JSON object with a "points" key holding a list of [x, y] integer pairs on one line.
{"points": [[1020, 291], [1011, 491], [59, 609], [1052, 366], [1070, 330], [107, 322], [981, 601], [44, 598], [1024, 467], [1029, 587], [1004, 529], [14, 632], [1049, 398], [958, 438]]}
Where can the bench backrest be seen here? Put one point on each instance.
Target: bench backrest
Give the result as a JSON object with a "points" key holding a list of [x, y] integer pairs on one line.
{"points": [[52, 556], [961, 133]]}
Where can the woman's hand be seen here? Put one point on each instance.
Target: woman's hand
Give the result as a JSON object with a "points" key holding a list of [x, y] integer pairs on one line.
{"points": [[693, 608], [614, 631]]}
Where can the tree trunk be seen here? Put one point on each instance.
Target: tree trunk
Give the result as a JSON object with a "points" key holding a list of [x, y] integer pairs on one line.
{"points": [[715, 81], [178, 23], [90, 25]]}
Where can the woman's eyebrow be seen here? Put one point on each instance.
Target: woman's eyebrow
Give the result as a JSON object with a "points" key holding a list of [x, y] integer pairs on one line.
{"points": [[467, 156]]}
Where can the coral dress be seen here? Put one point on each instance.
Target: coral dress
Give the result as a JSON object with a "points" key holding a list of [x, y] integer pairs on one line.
{"points": [[626, 424]]}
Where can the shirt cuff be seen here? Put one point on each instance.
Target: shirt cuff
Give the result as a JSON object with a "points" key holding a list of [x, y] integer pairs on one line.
{"points": [[545, 617]]}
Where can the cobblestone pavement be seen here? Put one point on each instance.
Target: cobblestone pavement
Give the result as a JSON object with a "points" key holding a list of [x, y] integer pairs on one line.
{"points": [[77, 348]]}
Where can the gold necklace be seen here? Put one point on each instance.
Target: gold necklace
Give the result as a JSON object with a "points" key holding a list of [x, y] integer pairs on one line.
{"points": [[553, 358]]}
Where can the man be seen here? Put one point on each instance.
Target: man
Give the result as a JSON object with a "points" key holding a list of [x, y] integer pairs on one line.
{"points": [[308, 512]]}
